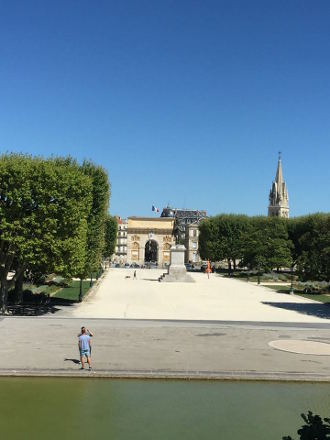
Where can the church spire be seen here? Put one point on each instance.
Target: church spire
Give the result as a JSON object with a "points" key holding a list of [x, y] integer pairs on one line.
{"points": [[279, 173], [278, 196]]}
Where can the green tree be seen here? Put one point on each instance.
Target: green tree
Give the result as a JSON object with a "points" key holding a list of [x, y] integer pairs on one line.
{"points": [[110, 236], [44, 205], [221, 238], [266, 244], [96, 219], [311, 246], [208, 240], [314, 429]]}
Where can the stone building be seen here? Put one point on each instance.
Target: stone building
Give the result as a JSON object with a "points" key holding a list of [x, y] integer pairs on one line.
{"points": [[191, 243], [278, 196], [149, 240], [120, 255], [183, 217]]}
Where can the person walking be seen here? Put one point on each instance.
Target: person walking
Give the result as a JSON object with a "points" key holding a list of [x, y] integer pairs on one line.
{"points": [[84, 344], [134, 276], [208, 269]]}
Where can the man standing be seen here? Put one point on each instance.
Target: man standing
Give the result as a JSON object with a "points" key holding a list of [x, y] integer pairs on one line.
{"points": [[88, 332], [84, 345]]}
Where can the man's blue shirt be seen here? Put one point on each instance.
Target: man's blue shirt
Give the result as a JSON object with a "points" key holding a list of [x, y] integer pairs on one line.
{"points": [[84, 342]]}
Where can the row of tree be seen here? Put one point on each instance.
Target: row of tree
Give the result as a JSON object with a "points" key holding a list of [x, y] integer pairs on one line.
{"points": [[267, 243], [53, 214]]}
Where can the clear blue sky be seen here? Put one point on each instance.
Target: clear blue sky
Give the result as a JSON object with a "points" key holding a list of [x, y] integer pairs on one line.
{"points": [[186, 102]]}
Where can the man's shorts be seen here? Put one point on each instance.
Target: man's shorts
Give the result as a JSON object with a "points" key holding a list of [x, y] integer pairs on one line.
{"points": [[85, 353]]}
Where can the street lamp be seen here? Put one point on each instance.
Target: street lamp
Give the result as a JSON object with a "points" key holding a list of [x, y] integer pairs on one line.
{"points": [[291, 286]]}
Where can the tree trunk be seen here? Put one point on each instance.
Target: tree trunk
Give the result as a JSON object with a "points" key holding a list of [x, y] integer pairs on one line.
{"points": [[5, 267], [18, 292], [91, 281], [234, 261], [229, 266], [80, 290], [259, 274], [3, 296]]}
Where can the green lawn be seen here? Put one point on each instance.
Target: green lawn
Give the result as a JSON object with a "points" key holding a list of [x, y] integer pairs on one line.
{"points": [[253, 277], [286, 289], [72, 292], [44, 288]]}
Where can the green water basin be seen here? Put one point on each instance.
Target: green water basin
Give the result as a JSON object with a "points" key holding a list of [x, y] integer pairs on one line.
{"points": [[46, 408]]}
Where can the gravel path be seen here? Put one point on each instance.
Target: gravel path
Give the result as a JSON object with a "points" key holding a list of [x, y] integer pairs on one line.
{"points": [[218, 298]]}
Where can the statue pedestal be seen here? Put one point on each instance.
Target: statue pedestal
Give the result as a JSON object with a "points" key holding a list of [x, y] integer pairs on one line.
{"points": [[177, 271]]}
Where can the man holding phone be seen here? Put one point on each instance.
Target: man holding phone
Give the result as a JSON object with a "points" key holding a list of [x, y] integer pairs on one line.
{"points": [[84, 344]]}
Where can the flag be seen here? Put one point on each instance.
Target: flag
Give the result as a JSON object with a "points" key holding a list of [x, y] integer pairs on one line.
{"points": [[154, 208]]}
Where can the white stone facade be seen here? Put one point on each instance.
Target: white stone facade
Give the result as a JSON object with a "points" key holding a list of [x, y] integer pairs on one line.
{"points": [[120, 255], [149, 240], [191, 243]]}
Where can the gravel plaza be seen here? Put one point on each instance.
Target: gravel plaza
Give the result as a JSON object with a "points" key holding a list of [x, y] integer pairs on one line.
{"points": [[218, 298], [215, 328]]}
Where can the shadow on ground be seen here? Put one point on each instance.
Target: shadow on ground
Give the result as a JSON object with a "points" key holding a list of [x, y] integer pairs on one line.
{"points": [[75, 361], [319, 310], [34, 309]]}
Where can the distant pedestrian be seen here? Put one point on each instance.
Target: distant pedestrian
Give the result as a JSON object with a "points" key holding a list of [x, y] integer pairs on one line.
{"points": [[134, 276], [84, 344], [208, 269]]}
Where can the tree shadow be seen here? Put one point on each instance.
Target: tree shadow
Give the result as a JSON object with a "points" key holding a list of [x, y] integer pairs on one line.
{"points": [[31, 310], [319, 310], [37, 308], [63, 302]]}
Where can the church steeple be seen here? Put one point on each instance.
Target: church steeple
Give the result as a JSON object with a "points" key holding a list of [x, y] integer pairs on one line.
{"points": [[279, 173], [278, 196]]}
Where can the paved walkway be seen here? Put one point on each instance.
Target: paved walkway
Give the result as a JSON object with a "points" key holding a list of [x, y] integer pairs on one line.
{"points": [[125, 348], [217, 298], [213, 328]]}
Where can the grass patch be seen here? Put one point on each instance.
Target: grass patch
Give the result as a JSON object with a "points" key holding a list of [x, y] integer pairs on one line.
{"points": [[72, 292], [47, 290], [323, 298], [281, 289], [252, 276], [316, 297]]}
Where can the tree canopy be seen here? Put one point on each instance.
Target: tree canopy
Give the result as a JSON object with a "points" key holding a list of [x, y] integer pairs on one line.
{"points": [[110, 236], [258, 242], [96, 217], [266, 244], [221, 237], [52, 215], [315, 428], [310, 236]]}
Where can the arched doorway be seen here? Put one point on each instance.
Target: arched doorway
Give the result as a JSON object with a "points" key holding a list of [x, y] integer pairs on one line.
{"points": [[151, 252]]}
